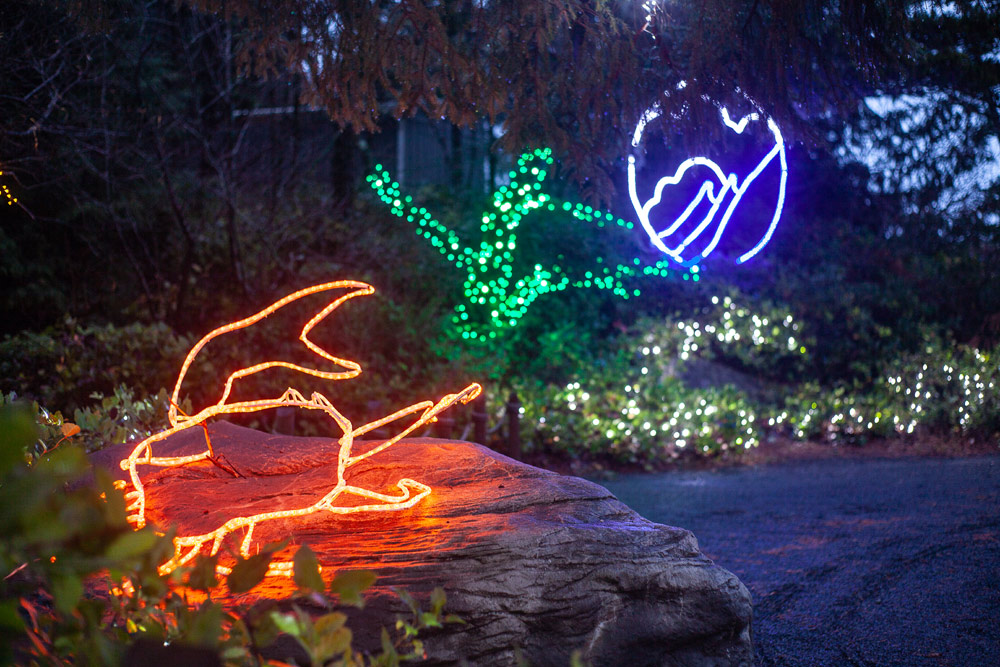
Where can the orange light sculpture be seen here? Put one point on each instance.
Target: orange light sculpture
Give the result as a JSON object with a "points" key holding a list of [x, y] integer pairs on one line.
{"points": [[410, 491]]}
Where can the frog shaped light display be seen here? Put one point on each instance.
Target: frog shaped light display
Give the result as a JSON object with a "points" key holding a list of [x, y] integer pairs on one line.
{"points": [[410, 492], [499, 286], [681, 238]]}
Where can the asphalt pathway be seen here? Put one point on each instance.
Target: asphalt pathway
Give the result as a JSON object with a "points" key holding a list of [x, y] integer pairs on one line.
{"points": [[850, 562]]}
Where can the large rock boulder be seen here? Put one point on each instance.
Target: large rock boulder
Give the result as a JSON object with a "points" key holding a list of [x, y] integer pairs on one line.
{"points": [[537, 564]]}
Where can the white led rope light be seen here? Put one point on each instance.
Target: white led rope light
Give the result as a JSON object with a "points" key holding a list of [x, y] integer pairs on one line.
{"points": [[726, 184]]}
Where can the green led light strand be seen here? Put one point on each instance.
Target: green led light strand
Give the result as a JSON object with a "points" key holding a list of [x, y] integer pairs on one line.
{"points": [[496, 298]]}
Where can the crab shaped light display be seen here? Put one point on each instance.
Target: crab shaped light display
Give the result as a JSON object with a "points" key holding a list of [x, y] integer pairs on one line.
{"points": [[410, 492], [678, 238]]}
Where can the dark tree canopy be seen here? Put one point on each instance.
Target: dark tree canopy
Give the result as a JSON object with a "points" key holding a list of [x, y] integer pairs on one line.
{"points": [[127, 126], [571, 74], [936, 126]]}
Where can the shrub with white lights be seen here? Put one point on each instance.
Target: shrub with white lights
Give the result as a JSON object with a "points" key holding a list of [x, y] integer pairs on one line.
{"points": [[640, 405]]}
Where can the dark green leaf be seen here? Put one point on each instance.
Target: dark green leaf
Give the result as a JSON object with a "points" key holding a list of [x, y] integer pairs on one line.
{"points": [[307, 570], [332, 638], [203, 576], [437, 600], [330, 622], [388, 650], [43, 525], [17, 431], [113, 498], [66, 592], [64, 462], [248, 573], [9, 616], [131, 544], [265, 631], [205, 627], [350, 584]]}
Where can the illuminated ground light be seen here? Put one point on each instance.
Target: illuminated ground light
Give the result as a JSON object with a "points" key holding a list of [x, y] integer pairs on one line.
{"points": [[681, 238], [410, 491], [497, 298]]}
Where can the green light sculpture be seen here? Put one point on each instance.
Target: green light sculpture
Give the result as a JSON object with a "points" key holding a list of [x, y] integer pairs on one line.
{"points": [[497, 298]]}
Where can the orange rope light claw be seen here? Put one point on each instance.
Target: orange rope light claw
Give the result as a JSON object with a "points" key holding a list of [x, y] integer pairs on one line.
{"points": [[411, 492]]}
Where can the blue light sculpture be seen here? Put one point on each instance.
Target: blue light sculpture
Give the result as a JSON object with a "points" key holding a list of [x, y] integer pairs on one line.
{"points": [[675, 239]]}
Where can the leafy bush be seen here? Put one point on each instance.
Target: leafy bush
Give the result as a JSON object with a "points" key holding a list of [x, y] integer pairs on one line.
{"points": [[943, 386], [65, 364], [670, 388], [112, 420], [762, 338], [720, 377], [637, 405], [637, 423]]}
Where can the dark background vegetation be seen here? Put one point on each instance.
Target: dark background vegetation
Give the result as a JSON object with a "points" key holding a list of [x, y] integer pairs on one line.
{"points": [[154, 204]]}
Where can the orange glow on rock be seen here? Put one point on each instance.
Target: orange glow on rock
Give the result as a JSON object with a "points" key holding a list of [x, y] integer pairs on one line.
{"points": [[410, 491]]}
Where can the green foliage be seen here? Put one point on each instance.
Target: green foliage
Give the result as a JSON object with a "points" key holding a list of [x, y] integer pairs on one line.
{"points": [[758, 337], [65, 364], [47, 429], [59, 530], [114, 419], [722, 377], [111, 379], [200, 242], [644, 422], [349, 585], [306, 570], [121, 417], [81, 586]]}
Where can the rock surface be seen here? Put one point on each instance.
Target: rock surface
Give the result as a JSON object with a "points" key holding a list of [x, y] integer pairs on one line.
{"points": [[537, 564]]}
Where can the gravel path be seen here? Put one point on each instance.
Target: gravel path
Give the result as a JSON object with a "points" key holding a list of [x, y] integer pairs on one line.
{"points": [[850, 562]]}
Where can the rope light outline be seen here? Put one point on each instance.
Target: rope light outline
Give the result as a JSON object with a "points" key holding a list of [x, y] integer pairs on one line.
{"points": [[411, 491], [727, 183]]}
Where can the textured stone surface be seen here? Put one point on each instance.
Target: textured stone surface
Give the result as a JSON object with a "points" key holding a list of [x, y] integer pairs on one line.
{"points": [[531, 560]]}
